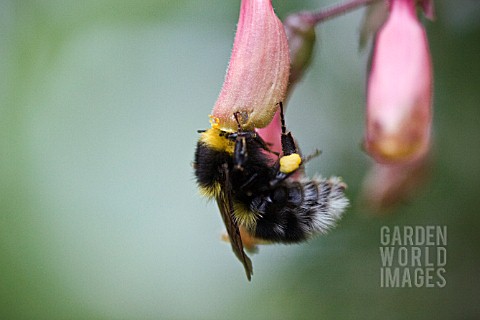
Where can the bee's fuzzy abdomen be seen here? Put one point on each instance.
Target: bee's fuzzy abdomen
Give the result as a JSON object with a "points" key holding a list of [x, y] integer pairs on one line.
{"points": [[313, 207]]}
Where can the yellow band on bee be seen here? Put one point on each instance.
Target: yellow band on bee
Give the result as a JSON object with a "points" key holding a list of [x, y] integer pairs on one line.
{"points": [[290, 163], [215, 140], [212, 191]]}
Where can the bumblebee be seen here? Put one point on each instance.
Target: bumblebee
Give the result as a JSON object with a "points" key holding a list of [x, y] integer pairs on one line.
{"points": [[264, 197]]}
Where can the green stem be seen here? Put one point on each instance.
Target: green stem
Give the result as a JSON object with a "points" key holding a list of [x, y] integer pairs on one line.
{"points": [[333, 11]]}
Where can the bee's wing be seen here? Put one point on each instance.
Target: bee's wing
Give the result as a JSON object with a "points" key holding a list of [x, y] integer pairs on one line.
{"points": [[225, 204]]}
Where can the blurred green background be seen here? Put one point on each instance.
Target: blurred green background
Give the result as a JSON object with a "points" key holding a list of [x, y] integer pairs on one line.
{"points": [[99, 214]]}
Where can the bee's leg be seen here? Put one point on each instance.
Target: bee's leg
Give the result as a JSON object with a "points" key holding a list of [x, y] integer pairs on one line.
{"points": [[279, 177], [290, 161], [240, 154], [315, 154], [236, 115], [264, 145], [249, 181], [288, 143]]}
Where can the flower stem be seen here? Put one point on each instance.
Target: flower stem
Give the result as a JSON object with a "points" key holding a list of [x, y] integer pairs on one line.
{"points": [[333, 11]]}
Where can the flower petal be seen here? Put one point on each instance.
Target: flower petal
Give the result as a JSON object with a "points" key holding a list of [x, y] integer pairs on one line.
{"points": [[257, 76]]}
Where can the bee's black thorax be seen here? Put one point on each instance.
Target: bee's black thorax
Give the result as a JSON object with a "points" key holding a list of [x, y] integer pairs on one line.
{"points": [[249, 168]]}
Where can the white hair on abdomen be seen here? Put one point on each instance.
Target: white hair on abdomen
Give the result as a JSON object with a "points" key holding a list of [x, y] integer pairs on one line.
{"points": [[324, 203]]}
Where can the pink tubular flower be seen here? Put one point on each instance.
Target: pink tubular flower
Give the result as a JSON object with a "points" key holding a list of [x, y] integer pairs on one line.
{"points": [[257, 76], [399, 95], [301, 40]]}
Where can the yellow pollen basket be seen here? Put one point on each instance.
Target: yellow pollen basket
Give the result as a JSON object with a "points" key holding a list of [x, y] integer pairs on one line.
{"points": [[290, 163]]}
